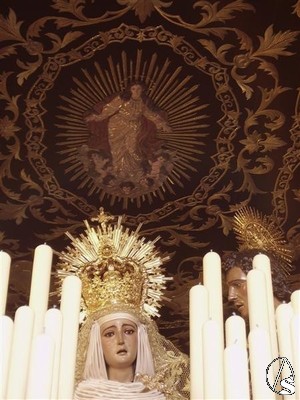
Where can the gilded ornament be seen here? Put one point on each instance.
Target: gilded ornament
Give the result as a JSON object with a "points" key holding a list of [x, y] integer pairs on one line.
{"points": [[117, 267], [254, 231]]}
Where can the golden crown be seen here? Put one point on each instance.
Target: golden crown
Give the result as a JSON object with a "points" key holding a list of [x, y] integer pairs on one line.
{"points": [[118, 268], [254, 231]]}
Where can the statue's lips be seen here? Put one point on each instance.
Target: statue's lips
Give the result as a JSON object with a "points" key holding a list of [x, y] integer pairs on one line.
{"points": [[122, 352]]}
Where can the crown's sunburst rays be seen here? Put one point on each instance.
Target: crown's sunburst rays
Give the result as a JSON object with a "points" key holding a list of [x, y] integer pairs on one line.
{"points": [[174, 95], [116, 266]]}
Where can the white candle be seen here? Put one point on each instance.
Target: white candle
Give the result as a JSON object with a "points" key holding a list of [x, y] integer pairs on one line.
{"points": [[262, 263], [295, 301], [53, 328], [257, 300], [260, 357], [20, 352], [40, 367], [213, 351], [212, 280], [40, 285], [198, 306], [283, 314], [5, 261], [70, 308], [295, 336], [235, 331], [236, 372], [6, 332]]}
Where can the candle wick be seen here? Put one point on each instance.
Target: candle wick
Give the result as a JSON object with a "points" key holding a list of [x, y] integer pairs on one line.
{"points": [[233, 313]]}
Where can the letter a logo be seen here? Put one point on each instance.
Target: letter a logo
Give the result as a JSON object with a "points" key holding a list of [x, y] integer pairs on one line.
{"points": [[287, 383]]}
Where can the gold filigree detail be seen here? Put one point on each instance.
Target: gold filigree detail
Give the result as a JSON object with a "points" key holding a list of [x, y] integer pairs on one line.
{"points": [[144, 8]]}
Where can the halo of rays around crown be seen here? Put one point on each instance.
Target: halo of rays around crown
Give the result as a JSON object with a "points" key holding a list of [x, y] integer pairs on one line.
{"points": [[115, 243]]}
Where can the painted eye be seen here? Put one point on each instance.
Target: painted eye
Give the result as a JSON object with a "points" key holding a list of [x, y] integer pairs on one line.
{"points": [[238, 284], [129, 331], [108, 334]]}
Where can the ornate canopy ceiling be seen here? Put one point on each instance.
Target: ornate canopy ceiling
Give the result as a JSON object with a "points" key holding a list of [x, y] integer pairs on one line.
{"points": [[220, 85]]}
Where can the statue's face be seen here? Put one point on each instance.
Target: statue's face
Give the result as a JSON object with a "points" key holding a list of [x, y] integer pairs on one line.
{"points": [[237, 290], [136, 91], [119, 343]]}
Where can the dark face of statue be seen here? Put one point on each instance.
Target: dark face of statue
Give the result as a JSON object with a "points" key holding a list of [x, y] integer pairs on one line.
{"points": [[237, 290], [119, 343], [136, 91]]}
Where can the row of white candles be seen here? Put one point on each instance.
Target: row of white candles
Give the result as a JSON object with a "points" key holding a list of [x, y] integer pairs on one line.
{"points": [[220, 366], [38, 349]]}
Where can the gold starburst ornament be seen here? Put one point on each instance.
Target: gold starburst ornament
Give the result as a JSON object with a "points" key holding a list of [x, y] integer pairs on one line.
{"points": [[118, 268], [254, 231]]}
